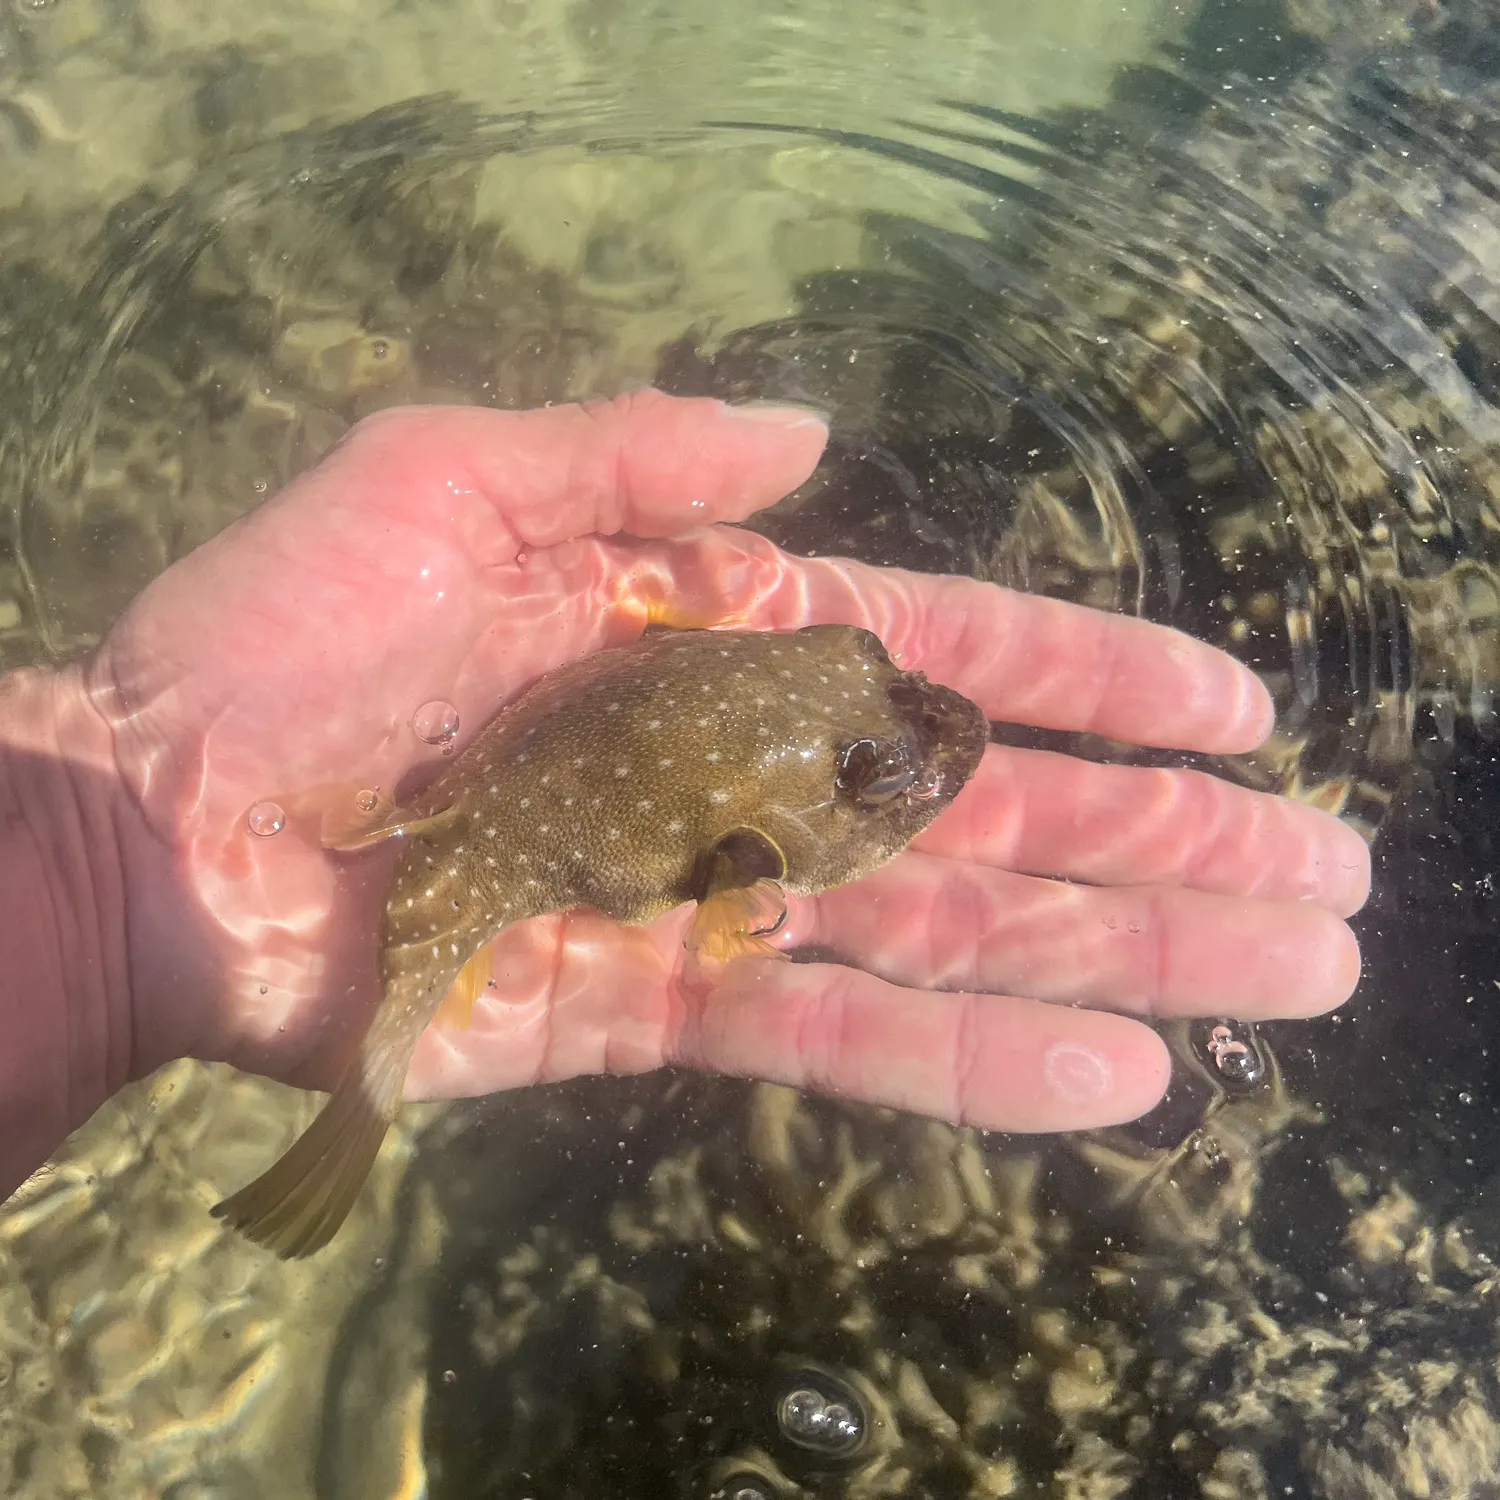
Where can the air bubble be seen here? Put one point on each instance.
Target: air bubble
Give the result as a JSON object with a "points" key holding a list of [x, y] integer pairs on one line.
{"points": [[266, 818], [367, 800], [1236, 1056], [436, 723], [811, 1420]]}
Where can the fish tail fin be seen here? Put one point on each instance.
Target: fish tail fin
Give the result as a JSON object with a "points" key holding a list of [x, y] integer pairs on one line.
{"points": [[296, 1207]]}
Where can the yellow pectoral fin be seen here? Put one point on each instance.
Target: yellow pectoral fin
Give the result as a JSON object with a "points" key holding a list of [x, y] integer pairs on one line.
{"points": [[476, 976], [736, 923]]}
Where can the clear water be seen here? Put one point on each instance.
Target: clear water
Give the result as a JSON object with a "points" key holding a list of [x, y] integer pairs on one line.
{"points": [[1187, 312]]}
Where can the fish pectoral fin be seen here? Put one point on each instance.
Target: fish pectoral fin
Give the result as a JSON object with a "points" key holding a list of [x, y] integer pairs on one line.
{"points": [[476, 976], [296, 1207], [741, 901], [736, 923]]}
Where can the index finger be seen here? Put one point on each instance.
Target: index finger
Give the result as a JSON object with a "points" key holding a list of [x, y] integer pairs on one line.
{"points": [[644, 463]]}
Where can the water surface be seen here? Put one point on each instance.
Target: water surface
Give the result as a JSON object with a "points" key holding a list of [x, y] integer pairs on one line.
{"points": [[1198, 321]]}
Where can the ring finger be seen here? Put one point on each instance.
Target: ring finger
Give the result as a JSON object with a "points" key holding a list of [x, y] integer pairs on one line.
{"points": [[1146, 950]]}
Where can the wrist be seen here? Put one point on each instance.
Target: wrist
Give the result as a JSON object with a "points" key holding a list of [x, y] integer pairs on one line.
{"points": [[65, 1013]]}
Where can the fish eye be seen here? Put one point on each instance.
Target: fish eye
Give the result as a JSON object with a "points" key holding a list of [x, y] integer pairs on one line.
{"points": [[874, 772]]}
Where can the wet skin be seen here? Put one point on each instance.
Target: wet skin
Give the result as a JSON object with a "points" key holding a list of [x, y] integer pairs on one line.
{"points": [[459, 554]]}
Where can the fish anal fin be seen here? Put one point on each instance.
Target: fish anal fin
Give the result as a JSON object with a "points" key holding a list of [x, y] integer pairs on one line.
{"points": [[297, 1205], [476, 976]]}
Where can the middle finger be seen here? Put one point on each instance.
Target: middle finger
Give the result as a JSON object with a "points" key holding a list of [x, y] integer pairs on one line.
{"points": [[1045, 814]]}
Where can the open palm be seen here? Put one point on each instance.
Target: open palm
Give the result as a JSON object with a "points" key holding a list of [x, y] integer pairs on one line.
{"points": [[453, 555]]}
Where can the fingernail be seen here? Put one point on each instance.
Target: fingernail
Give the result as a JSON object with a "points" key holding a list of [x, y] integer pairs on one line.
{"points": [[788, 415], [1076, 1075]]}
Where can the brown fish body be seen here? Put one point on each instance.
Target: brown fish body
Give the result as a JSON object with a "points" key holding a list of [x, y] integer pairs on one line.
{"points": [[711, 766]]}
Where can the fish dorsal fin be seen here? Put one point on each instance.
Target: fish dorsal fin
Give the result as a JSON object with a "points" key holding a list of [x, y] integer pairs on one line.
{"points": [[741, 900], [345, 815], [346, 826], [647, 599], [476, 976], [342, 838]]}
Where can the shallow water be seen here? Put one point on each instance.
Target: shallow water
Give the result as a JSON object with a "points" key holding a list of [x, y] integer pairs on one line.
{"points": [[1200, 323]]}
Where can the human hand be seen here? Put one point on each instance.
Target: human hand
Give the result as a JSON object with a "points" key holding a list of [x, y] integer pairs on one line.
{"points": [[455, 555]]}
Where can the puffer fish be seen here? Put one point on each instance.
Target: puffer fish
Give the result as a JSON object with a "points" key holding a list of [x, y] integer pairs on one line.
{"points": [[721, 767]]}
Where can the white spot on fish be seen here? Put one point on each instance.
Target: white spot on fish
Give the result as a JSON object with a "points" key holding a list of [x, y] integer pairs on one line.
{"points": [[411, 901], [578, 761], [431, 892], [702, 723], [567, 802], [718, 796], [665, 761], [653, 724], [621, 772], [522, 758], [612, 833], [545, 828], [712, 757], [675, 826], [645, 804], [524, 803], [611, 708]]}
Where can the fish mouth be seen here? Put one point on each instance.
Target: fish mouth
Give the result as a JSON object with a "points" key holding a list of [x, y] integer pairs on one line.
{"points": [[950, 733]]}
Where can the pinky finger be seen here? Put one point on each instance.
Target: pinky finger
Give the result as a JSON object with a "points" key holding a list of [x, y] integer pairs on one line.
{"points": [[988, 1060]]}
